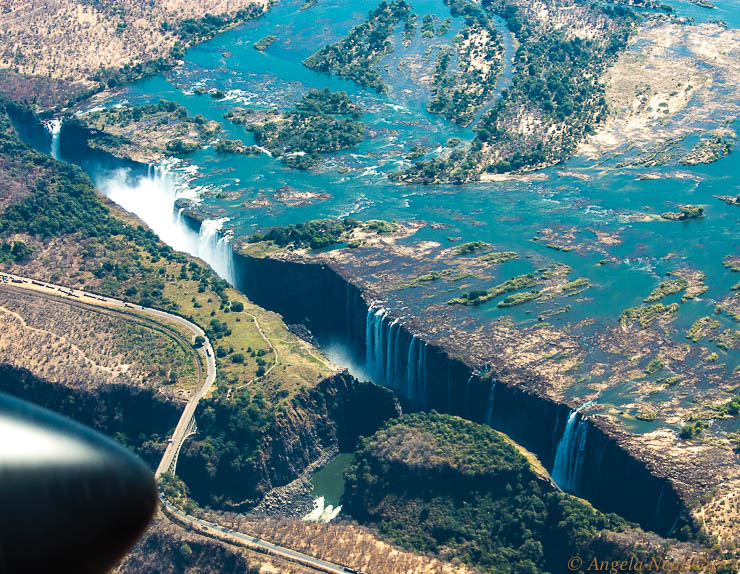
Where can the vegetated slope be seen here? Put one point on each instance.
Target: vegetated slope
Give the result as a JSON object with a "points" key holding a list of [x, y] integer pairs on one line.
{"points": [[277, 404], [54, 50], [440, 484]]}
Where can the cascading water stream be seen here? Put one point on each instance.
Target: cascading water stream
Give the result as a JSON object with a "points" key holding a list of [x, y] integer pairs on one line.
{"points": [[566, 470], [421, 374], [489, 408], [467, 396], [390, 355], [410, 370], [54, 126]]}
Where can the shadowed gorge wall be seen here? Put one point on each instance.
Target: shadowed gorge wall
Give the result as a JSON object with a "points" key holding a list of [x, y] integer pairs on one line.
{"points": [[130, 414], [426, 377], [232, 465]]}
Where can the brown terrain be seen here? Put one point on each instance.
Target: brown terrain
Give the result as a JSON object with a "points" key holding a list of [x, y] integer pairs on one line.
{"points": [[341, 542], [674, 80], [90, 346], [58, 45]]}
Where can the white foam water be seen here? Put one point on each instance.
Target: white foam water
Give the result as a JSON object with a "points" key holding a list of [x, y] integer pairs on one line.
{"points": [[322, 512], [54, 127], [152, 198]]}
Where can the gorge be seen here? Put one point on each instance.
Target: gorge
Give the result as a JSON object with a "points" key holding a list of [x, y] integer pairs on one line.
{"points": [[585, 457]]}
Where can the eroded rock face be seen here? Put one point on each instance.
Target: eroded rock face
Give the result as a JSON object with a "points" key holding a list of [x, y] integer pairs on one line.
{"points": [[333, 414], [520, 379]]}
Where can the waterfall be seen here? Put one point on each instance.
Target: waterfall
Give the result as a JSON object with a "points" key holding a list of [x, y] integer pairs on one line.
{"points": [[489, 410], [215, 248], [54, 127], [421, 374], [379, 346], [152, 199], [376, 341], [390, 371], [322, 512], [566, 470], [467, 396], [410, 370], [368, 336], [675, 523], [660, 499]]}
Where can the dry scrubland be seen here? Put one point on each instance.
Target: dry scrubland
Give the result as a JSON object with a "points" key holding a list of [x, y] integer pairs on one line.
{"points": [[342, 543], [674, 80], [60, 342], [166, 547], [71, 39], [58, 45]]}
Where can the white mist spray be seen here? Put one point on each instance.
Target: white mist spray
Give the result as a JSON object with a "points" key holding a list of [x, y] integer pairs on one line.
{"points": [[152, 199], [54, 127]]}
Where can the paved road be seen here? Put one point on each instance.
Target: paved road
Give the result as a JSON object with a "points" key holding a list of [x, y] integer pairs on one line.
{"points": [[222, 533], [204, 383], [84, 298]]}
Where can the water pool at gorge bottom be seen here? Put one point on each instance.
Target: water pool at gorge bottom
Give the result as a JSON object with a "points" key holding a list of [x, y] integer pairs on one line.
{"points": [[329, 481]]}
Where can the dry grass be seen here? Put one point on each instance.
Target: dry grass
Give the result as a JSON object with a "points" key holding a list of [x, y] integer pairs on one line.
{"points": [[342, 543], [166, 547], [79, 347], [70, 39], [720, 515]]}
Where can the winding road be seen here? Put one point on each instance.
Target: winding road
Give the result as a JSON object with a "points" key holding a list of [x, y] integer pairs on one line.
{"points": [[85, 299]]}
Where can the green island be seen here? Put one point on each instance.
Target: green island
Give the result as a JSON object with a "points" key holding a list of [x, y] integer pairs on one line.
{"points": [[519, 298], [227, 146], [263, 43], [439, 484], [687, 212], [356, 56], [667, 288], [314, 234], [458, 92], [646, 314], [149, 132], [468, 248], [497, 257], [480, 296], [322, 122]]}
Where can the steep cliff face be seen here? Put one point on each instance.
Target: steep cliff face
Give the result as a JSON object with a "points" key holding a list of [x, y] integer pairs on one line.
{"points": [[334, 413], [440, 484], [424, 376], [138, 417]]}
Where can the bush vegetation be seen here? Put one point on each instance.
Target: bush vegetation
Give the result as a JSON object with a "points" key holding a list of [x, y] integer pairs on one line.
{"points": [[314, 234], [356, 56], [323, 122], [439, 484]]}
